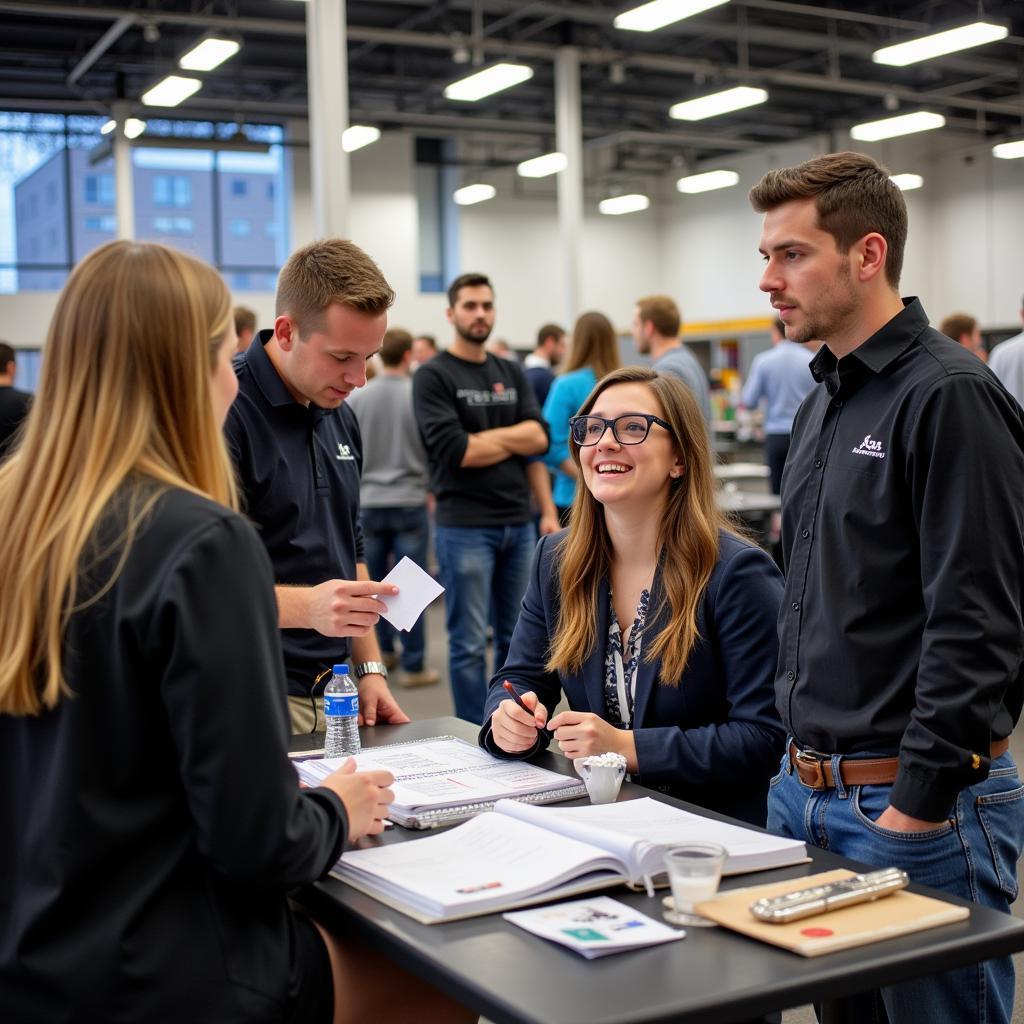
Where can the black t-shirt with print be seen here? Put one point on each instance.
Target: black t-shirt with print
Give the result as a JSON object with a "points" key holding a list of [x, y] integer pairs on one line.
{"points": [[454, 398]]}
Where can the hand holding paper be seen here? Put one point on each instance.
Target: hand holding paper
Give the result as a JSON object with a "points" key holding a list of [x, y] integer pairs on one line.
{"points": [[416, 589]]}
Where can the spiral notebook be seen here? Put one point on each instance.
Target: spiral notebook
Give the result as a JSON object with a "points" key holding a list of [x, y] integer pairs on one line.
{"points": [[444, 780]]}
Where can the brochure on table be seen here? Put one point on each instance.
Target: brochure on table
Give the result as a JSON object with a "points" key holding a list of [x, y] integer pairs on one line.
{"points": [[595, 927]]}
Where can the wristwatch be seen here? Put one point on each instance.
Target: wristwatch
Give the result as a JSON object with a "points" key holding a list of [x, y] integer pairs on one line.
{"points": [[366, 668]]}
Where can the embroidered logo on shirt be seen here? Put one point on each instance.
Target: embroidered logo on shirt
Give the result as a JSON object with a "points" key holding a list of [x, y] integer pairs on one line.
{"points": [[344, 453], [869, 447]]}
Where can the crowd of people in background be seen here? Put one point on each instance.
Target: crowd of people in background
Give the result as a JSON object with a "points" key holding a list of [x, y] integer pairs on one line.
{"points": [[202, 516]]}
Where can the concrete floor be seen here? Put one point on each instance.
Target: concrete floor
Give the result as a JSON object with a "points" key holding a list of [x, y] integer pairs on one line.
{"points": [[433, 701]]}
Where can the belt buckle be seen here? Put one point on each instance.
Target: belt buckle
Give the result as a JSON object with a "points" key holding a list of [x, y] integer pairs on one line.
{"points": [[809, 763]]}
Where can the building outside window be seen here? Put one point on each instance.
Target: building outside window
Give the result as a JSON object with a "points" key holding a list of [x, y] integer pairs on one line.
{"points": [[52, 198]]}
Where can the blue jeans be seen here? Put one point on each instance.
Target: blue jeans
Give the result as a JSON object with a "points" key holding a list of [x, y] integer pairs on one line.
{"points": [[389, 534], [973, 856], [484, 572]]}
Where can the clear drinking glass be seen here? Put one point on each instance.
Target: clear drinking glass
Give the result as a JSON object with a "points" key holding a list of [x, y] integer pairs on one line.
{"points": [[694, 871]]}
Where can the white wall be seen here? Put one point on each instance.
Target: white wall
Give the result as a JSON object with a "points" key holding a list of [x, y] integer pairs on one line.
{"points": [[966, 231], [515, 242]]}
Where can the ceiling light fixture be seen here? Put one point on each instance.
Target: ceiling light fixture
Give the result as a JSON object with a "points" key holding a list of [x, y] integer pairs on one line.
{"points": [[1009, 150], [906, 182], [902, 124], [707, 182], [470, 194], [133, 127], [542, 166], [355, 136], [938, 45], [718, 103], [487, 82], [618, 205], [659, 13], [171, 91], [208, 54]]}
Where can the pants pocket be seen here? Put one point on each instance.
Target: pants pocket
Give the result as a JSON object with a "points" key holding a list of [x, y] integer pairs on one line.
{"points": [[869, 802], [1001, 814]]}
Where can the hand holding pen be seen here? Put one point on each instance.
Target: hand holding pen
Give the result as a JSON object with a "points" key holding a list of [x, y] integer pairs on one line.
{"points": [[515, 723]]}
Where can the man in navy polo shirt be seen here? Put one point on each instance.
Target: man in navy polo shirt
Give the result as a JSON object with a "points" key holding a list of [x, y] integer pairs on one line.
{"points": [[298, 453]]}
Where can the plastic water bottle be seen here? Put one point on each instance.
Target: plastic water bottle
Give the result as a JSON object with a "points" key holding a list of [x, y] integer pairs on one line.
{"points": [[341, 712]]}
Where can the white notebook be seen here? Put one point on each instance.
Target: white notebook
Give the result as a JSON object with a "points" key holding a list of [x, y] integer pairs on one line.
{"points": [[445, 780], [519, 854]]}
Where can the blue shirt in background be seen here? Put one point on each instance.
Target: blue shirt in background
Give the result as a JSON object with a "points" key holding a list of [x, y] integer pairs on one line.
{"points": [[782, 377], [567, 394]]}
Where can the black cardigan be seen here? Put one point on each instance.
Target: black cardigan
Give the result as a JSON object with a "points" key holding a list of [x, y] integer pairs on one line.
{"points": [[151, 823]]}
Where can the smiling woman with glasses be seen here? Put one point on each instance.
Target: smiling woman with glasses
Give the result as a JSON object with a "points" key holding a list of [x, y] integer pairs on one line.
{"points": [[651, 615]]}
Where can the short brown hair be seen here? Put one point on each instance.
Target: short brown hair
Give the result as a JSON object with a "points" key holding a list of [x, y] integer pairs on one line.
{"points": [[6, 356], [394, 346], [549, 331], [853, 196], [956, 325], [331, 270], [661, 311], [471, 280], [245, 319]]}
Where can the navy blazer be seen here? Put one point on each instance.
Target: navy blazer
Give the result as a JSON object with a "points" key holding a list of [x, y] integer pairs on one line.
{"points": [[714, 739]]}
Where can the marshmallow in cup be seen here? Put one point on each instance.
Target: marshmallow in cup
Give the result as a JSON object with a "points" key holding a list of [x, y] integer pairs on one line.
{"points": [[603, 775]]}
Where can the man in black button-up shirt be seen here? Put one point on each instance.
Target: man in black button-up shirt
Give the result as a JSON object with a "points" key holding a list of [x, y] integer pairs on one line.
{"points": [[903, 536]]}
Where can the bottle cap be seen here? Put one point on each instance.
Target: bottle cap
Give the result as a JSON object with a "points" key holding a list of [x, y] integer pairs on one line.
{"points": [[340, 670]]}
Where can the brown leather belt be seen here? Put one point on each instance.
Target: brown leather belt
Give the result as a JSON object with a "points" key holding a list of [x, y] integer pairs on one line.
{"points": [[815, 771]]}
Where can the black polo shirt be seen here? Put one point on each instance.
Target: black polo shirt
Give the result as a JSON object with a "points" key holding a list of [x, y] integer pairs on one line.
{"points": [[298, 469], [903, 535]]}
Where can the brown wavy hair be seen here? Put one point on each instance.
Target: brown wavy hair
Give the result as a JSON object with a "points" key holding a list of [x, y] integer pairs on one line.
{"points": [[688, 539], [124, 401], [594, 344]]}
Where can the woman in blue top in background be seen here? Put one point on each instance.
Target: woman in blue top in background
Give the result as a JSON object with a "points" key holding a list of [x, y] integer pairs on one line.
{"points": [[595, 352], [652, 616]]}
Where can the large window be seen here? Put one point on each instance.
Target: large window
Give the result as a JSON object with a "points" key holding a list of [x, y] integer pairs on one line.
{"points": [[57, 196]]}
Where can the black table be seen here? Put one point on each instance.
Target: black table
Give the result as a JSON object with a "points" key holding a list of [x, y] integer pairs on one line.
{"points": [[713, 975]]}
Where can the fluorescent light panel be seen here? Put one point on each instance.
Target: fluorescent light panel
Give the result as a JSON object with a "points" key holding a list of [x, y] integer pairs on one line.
{"points": [[659, 13], [1009, 150], [542, 166], [718, 103], [133, 127], [487, 82], [617, 205], [907, 182], [171, 91], [707, 182], [209, 54], [963, 38], [355, 136], [902, 124], [470, 194]]}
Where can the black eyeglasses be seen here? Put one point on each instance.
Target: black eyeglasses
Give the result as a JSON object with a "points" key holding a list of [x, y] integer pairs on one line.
{"points": [[632, 428]]}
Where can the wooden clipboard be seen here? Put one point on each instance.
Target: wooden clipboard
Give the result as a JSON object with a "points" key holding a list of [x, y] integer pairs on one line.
{"points": [[899, 914]]}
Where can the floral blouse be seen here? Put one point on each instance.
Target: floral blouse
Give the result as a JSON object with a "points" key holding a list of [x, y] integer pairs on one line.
{"points": [[620, 665]]}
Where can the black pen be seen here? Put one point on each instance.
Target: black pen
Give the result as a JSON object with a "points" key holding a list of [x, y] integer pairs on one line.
{"points": [[519, 700]]}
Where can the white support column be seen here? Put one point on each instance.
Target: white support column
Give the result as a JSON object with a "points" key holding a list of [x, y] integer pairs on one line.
{"points": [[124, 182], [327, 64], [569, 140]]}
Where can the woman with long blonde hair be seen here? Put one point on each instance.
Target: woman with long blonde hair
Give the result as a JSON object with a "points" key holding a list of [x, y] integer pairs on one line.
{"points": [[650, 614], [153, 822], [594, 352]]}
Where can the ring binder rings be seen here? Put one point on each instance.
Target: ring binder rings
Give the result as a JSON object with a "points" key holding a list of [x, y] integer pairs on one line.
{"points": [[444, 780]]}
